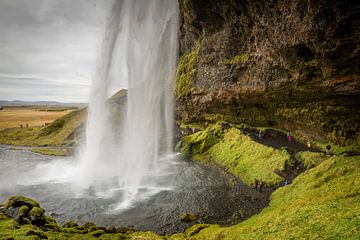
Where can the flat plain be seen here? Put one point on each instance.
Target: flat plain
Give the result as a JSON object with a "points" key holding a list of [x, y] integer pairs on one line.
{"points": [[14, 117]]}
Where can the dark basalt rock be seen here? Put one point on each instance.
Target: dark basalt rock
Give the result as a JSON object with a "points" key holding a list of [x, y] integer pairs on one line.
{"points": [[13, 212], [280, 55], [38, 221]]}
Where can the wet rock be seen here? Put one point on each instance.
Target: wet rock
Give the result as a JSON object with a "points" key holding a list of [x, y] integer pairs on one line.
{"points": [[12, 212], [37, 217], [188, 217]]}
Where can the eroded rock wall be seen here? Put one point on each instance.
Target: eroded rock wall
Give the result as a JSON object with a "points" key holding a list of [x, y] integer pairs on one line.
{"points": [[290, 64]]}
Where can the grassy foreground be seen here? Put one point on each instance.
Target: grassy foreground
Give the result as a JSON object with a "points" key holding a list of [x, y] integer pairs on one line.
{"points": [[321, 203]]}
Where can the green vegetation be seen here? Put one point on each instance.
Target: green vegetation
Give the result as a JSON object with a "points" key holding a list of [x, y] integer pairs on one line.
{"points": [[237, 59], [311, 159], [14, 199], [185, 6], [188, 217], [322, 203], [248, 159], [237, 153], [10, 228], [22, 228], [60, 132], [36, 212], [51, 151], [332, 122], [201, 141], [186, 72]]}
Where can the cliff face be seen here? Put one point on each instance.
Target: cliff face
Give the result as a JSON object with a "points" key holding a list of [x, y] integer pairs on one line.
{"points": [[290, 64]]}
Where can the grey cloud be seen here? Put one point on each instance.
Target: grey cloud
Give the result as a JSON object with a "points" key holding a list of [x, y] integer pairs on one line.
{"points": [[54, 40]]}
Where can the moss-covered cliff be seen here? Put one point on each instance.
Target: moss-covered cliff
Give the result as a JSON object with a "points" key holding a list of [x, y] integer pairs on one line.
{"points": [[290, 64]]}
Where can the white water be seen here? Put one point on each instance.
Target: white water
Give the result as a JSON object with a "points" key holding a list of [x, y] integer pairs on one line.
{"points": [[140, 43]]}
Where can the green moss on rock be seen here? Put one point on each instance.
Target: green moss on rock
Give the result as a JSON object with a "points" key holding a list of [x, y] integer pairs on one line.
{"points": [[237, 59], [24, 210], [201, 141], [97, 233], [195, 229], [18, 201], [248, 159], [71, 224], [188, 217], [186, 72], [36, 212]]}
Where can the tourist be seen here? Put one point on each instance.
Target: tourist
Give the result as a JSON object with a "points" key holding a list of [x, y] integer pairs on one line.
{"points": [[308, 144], [286, 182], [289, 137], [328, 147], [260, 134]]}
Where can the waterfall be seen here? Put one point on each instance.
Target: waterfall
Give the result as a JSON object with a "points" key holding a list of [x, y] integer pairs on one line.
{"points": [[140, 49]]}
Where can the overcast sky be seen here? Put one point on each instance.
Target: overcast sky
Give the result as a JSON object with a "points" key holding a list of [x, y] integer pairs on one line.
{"points": [[48, 48]]}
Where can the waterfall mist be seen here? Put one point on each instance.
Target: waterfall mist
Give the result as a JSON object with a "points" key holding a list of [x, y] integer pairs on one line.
{"points": [[140, 49]]}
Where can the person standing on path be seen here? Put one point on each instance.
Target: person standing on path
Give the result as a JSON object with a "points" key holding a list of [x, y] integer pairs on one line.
{"points": [[289, 137], [308, 144], [328, 147]]}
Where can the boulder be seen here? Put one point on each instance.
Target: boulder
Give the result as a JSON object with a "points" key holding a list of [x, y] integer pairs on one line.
{"points": [[37, 216], [18, 201]]}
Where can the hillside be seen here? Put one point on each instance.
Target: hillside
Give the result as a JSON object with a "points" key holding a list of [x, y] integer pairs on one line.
{"points": [[321, 203], [65, 131]]}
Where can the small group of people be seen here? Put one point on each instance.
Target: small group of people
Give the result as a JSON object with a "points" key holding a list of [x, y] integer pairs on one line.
{"points": [[24, 126], [308, 144]]}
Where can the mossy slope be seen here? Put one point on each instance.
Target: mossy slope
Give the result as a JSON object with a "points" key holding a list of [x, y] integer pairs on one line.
{"points": [[322, 203], [237, 153]]}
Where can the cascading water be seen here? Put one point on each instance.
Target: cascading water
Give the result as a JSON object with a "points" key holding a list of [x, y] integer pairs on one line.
{"points": [[126, 162], [141, 43]]}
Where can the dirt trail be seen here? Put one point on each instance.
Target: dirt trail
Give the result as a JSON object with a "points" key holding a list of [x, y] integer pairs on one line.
{"points": [[278, 140]]}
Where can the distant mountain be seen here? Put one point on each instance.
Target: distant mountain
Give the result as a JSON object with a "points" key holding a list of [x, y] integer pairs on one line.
{"points": [[40, 103]]}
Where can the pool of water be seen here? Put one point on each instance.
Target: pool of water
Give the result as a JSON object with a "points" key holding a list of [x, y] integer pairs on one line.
{"points": [[187, 187]]}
